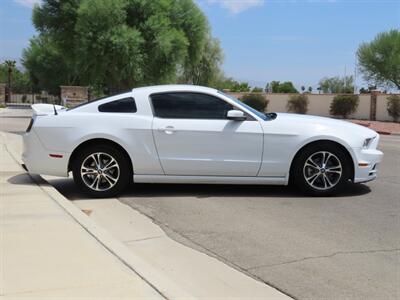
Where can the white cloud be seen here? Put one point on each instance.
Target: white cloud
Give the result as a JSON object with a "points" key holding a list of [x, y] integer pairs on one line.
{"points": [[237, 6], [27, 3]]}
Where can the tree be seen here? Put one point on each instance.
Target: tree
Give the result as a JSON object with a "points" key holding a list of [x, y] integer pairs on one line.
{"points": [[224, 83], [364, 91], [287, 87], [240, 87], [379, 60], [267, 88], [274, 86], [10, 65], [47, 67], [337, 85], [309, 89], [257, 90], [256, 101], [284, 87], [207, 72], [303, 88], [121, 44], [19, 81], [344, 105], [298, 104]]}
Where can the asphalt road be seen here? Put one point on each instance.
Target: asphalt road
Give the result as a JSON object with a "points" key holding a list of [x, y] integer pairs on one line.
{"points": [[344, 247]]}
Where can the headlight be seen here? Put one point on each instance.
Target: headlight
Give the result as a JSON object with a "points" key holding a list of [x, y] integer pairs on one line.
{"points": [[368, 142]]}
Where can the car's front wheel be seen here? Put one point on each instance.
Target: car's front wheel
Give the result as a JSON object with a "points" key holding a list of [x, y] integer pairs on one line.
{"points": [[321, 169], [101, 171]]}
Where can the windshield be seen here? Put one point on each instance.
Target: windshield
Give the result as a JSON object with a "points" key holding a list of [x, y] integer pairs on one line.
{"points": [[254, 111]]}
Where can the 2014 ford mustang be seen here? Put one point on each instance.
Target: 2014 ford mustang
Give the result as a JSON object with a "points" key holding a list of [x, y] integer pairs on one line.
{"points": [[192, 134]]}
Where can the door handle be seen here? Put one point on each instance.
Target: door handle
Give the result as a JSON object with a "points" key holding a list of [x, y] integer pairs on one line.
{"points": [[168, 129]]}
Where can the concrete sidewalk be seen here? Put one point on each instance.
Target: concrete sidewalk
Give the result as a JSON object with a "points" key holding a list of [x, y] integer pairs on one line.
{"points": [[385, 128], [45, 253]]}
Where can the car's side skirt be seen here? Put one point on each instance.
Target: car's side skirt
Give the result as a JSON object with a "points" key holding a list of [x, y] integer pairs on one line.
{"points": [[209, 179]]}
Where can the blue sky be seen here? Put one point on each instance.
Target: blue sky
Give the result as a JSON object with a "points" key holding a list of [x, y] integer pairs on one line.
{"points": [[301, 41]]}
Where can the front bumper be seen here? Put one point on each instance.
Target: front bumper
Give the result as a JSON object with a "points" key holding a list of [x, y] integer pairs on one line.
{"points": [[37, 159], [366, 167]]}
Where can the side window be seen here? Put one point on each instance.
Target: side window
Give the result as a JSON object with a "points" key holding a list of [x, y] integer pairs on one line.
{"points": [[126, 105], [189, 106]]}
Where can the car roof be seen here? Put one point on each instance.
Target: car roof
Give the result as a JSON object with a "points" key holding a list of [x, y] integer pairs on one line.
{"points": [[174, 87], [147, 90]]}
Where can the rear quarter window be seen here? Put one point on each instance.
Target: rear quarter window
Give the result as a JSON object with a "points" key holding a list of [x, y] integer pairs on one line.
{"points": [[125, 105]]}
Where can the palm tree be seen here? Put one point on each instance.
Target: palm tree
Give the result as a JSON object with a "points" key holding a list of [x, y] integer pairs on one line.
{"points": [[310, 89], [10, 64]]}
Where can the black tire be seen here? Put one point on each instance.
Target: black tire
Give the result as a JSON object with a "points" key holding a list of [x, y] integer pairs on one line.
{"points": [[316, 180], [113, 180]]}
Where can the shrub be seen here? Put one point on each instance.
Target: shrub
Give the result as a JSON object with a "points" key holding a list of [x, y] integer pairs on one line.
{"points": [[393, 107], [298, 104], [344, 105], [256, 101]]}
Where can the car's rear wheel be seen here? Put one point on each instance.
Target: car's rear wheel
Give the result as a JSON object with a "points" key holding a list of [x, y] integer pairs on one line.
{"points": [[321, 169], [101, 171]]}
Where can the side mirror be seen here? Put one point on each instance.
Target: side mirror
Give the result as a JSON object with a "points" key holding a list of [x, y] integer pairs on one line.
{"points": [[235, 115]]}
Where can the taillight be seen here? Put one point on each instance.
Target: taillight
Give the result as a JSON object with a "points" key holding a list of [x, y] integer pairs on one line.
{"points": [[30, 125]]}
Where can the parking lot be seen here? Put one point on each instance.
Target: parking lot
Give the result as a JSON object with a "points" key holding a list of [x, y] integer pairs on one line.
{"points": [[346, 246]]}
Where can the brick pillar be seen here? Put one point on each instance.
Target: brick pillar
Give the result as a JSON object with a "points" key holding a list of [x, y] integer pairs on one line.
{"points": [[74, 95], [2, 93], [372, 106]]}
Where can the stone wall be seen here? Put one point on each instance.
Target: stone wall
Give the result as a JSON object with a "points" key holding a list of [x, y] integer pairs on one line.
{"points": [[320, 103]]}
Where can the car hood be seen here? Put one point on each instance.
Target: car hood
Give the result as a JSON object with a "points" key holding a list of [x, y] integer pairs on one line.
{"points": [[326, 123]]}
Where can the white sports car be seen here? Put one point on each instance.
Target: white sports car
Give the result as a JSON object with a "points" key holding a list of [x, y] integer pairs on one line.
{"points": [[192, 134]]}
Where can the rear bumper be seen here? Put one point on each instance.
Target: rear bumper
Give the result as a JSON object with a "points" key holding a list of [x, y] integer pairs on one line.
{"points": [[366, 168], [37, 159]]}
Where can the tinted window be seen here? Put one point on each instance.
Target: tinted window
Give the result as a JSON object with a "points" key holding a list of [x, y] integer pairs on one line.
{"points": [[126, 105], [93, 100], [189, 106]]}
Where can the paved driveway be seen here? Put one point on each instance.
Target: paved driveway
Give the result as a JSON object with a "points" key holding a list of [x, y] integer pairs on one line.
{"points": [[311, 248]]}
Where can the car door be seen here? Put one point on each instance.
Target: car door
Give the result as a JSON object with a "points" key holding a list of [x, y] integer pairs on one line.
{"points": [[194, 137]]}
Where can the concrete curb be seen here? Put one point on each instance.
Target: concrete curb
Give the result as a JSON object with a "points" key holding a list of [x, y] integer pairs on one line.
{"points": [[165, 287], [383, 132], [388, 133]]}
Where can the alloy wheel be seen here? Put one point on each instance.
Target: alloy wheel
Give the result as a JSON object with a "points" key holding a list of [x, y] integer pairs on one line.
{"points": [[322, 170], [100, 171]]}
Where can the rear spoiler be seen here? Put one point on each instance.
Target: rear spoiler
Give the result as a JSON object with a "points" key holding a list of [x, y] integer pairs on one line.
{"points": [[46, 109]]}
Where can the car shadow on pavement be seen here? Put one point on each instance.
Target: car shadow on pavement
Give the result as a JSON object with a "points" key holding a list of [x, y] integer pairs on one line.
{"points": [[25, 179], [68, 188], [205, 191]]}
